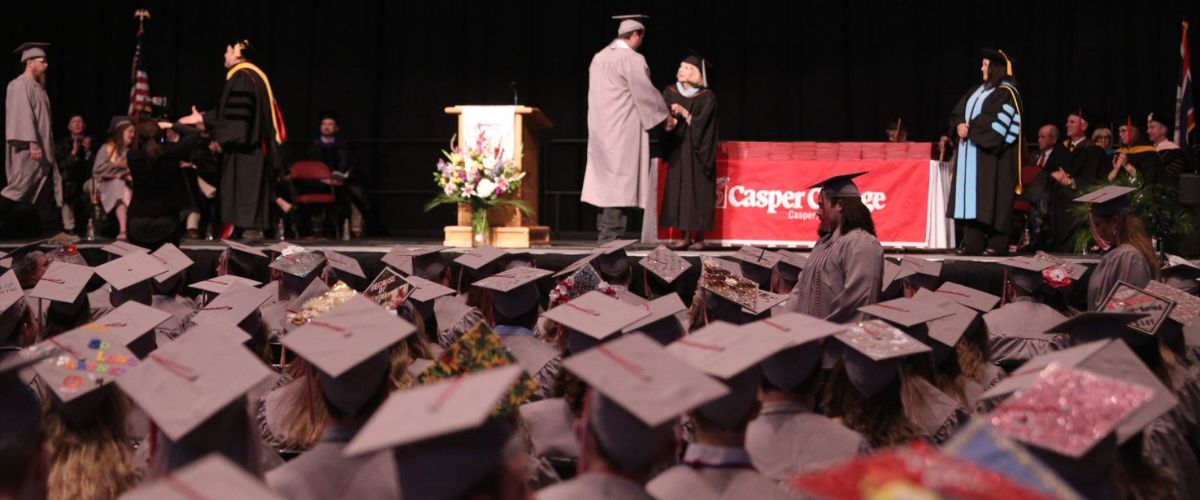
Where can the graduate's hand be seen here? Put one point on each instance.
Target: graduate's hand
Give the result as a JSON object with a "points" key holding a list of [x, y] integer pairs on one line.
{"points": [[35, 152], [962, 131], [671, 122]]}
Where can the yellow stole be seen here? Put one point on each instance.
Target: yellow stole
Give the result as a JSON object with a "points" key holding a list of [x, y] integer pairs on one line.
{"points": [[276, 116], [1136, 149]]}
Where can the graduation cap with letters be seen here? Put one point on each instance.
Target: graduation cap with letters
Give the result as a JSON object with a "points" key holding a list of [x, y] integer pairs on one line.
{"points": [[664, 264], [875, 347]]}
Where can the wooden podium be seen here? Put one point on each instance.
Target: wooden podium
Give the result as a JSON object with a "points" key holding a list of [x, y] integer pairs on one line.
{"points": [[509, 227]]}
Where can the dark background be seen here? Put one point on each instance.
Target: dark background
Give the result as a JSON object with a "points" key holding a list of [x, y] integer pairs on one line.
{"points": [[785, 70]]}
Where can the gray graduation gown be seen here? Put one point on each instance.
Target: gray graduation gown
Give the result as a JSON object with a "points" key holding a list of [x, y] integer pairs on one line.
{"points": [[622, 106], [1015, 331], [938, 414], [787, 438], [695, 479], [844, 272], [27, 121], [594, 486], [454, 318], [324, 473], [1124, 263], [535, 358]]}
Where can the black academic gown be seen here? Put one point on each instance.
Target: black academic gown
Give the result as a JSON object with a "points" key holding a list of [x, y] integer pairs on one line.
{"points": [[1086, 165], [242, 124], [690, 192], [997, 166]]}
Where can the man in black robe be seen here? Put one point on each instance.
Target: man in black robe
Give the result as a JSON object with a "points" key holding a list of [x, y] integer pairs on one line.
{"points": [[987, 164], [247, 128], [1085, 167]]}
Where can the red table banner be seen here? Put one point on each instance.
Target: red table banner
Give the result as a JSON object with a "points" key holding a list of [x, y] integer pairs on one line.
{"points": [[766, 201]]}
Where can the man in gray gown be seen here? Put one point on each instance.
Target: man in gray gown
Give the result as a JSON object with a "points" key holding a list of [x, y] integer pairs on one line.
{"points": [[29, 141], [845, 269], [622, 106]]}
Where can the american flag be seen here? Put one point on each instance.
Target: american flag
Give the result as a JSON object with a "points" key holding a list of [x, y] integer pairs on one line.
{"points": [[1185, 115], [139, 94]]}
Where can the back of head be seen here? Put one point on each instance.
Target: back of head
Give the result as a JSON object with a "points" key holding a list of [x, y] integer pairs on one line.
{"points": [[855, 215], [21, 437]]}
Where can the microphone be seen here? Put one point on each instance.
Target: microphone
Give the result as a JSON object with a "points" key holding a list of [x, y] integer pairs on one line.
{"points": [[513, 86]]}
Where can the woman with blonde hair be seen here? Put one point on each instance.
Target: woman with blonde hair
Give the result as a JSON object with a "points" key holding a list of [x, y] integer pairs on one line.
{"points": [[110, 173], [1129, 254]]}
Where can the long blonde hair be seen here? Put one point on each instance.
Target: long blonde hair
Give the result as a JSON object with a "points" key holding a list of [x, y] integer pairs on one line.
{"points": [[92, 457], [1131, 230]]}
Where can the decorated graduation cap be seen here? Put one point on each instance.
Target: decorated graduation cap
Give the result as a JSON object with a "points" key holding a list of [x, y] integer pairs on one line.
{"points": [[12, 304], [576, 266], [982, 444], [702, 64], [1187, 306], [185, 382], [757, 264], [422, 261], [1109, 358], [173, 259], [1068, 411], [1097, 325], [592, 318], [1026, 272], [349, 346], [790, 264], [515, 291], [130, 277], [443, 439], [731, 354], [1108, 201], [630, 23], [790, 367], [298, 268], [874, 349], [664, 264], [213, 476], [998, 57], [638, 390], [839, 186], [132, 324], [81, 363], [660, 324], [1130, 299], [30, 50]]}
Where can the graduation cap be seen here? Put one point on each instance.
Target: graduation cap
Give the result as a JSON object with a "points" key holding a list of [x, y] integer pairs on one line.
{"points": [[731, 354], [1068, 411], [1185, 312], [890, 272], [917, 267], [423, 261], [187, 381], [757, 264], [84, 362], [905, 312], [122, 248], [790, 367], [213, 476], [220, 284], [1180, 273], [62, 282], [790, 264], [664, 264], [1161, 119], [481, 262], [243, 259], [1082, 114], [443, 440], [298, 269], [975, 299], [638, 390], [695, 59], [349, 346], [12, 303], [173, 258], [998, 57], [947, 330], [1095, 325], [874, 349], [130, 277], [610, 258], [1109, 358], [630, 23], [660, 324], [839, 186], [1127, 298], [1108, 201], [342, 263], [131, 324], [427, 291], [576, 266], [1026, 273], [593, 317], [30, 50], [515, 291], [9, 259], [238, 305]]}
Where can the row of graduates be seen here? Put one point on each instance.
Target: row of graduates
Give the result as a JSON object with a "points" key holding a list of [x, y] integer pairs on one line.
{"points": [[394, 391]]}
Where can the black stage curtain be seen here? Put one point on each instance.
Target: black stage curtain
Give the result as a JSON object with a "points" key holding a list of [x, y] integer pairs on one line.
{"points": [[783, 70]]}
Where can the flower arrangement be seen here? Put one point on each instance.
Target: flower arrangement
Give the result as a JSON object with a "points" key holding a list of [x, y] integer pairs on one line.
{"points": [[478, 175]]}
